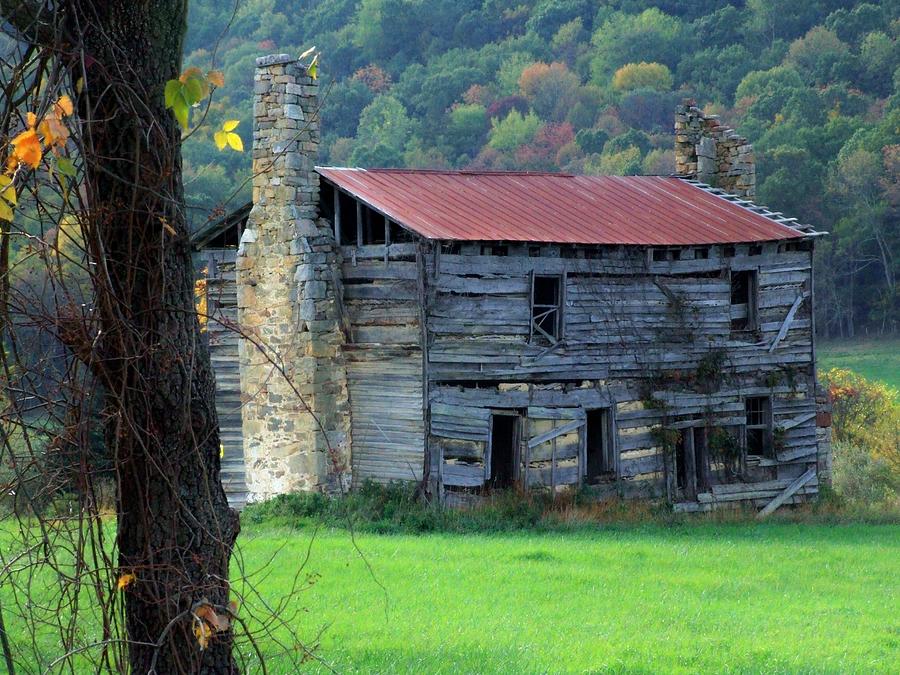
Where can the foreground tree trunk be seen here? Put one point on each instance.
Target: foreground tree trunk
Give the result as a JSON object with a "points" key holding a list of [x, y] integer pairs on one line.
{"points": [[175, 529]]}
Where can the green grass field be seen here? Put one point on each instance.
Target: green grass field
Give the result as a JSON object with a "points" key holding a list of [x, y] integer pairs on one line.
{"points": [[696, 598], [740, 598], [873, 359]]}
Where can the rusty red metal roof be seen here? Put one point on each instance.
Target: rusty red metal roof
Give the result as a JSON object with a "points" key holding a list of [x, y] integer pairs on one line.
{"points": [[558, 208]]}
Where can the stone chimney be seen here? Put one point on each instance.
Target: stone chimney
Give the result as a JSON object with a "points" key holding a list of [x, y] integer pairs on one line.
{"points": [[293, 380], [711, 153]]}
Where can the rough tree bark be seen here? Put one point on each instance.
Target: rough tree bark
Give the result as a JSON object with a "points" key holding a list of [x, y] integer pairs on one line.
{"points": [[175, 529]]}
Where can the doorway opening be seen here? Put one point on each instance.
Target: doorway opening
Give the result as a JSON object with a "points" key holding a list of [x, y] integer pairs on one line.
{"points": [[600, 461], [504, 439]]}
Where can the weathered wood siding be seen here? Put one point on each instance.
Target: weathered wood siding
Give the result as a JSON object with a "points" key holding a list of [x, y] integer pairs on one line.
{"points": [[384, 362], [653, 340], [223, 347]]}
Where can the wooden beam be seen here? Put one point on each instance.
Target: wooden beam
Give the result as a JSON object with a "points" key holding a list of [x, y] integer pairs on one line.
{"points": [[789, 492], [553, 433], [787, 321], [337, 216], [359, 224]]}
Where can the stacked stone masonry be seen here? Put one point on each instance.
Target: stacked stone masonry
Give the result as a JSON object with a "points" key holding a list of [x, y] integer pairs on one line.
{"points": [[293, 379], [712, 153]]}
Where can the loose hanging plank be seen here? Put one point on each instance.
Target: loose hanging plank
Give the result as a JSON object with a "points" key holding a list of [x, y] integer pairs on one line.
{"points": [[787, 321]]}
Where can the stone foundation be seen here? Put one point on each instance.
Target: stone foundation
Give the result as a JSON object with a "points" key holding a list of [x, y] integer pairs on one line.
{"points": [[293, 379]]}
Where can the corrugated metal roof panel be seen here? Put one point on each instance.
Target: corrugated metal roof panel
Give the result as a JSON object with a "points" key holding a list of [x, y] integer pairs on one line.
{"points": [[559, 208]]}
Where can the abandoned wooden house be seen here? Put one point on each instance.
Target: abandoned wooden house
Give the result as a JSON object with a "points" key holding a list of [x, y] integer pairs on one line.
{"points": [[642, 336]]}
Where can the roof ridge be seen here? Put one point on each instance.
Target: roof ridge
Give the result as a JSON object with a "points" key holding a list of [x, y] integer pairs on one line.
{"points": [[451, 172]]}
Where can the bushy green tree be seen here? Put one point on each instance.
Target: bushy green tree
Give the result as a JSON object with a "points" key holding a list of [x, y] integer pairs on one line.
{"points": [[625, 38], [642, 75], [513, 131]]}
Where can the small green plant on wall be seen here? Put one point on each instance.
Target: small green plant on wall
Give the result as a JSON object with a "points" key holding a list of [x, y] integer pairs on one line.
{"points": [[725, 448]]}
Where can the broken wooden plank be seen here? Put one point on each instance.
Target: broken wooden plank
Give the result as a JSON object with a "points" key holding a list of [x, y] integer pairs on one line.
{"points": [[787, 321], [553, 433], [788, 493]]}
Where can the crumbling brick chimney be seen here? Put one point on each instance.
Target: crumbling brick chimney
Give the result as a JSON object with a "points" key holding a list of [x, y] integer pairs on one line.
{"points": [[711, 153], [293, 380]]}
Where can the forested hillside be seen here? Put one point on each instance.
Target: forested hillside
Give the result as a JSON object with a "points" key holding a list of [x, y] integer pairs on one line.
{"points": [[590, 87]]}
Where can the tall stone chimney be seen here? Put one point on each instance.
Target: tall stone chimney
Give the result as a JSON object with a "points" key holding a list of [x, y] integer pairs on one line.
{"points": [[711, 153], [293, 380]]}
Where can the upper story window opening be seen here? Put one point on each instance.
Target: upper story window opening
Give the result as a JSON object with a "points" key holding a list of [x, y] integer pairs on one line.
{"points": [[546, 307], [744, 299]]}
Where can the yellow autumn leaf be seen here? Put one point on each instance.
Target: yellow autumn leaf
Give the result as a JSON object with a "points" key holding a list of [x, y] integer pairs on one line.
{"points": [[235, 142], [226, 137], [221, 139], [202, 632], [125, 580], [216, 77], [30, 120], [8, 198], [27, 148], [8, 190], [64, 106]]}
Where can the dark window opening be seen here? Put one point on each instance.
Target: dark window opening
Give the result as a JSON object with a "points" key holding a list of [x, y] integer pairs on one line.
{"points": [[504, 438], [495, 249], [326, 201], [743, 300], [755, 249], [345, 219], [600, 461], [545, 307], [701, 254], [681, 474], [758, 426], [534, 251], [728, 251], [373, 227], [666, 254]]}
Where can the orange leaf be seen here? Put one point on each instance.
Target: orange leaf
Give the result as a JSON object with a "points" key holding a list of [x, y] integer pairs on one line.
{"points": [[27, 148], [216, 77], [125, 580], [208, 614], [188, 73], [64, 106], [30, 120], [54, 132]]}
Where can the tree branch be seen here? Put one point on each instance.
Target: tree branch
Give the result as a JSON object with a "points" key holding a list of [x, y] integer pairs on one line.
{"points": [[36, 21]]}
